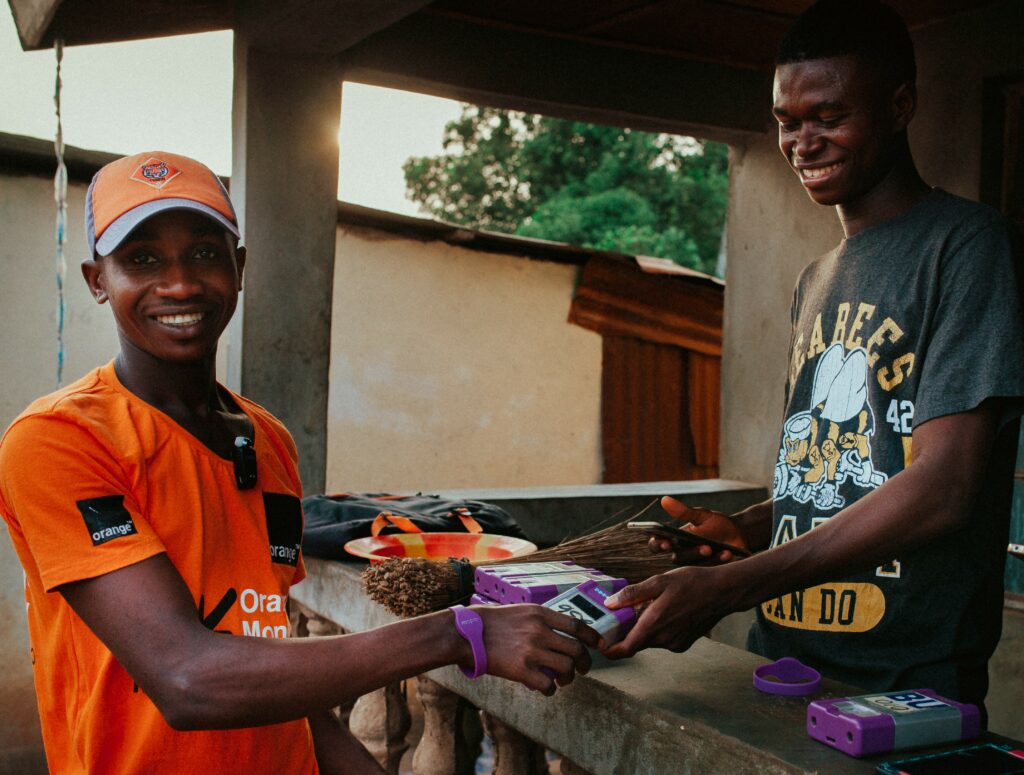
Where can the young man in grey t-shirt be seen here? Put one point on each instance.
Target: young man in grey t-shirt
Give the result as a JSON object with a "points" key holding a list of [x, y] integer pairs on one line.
{"points": [[906, 347]]}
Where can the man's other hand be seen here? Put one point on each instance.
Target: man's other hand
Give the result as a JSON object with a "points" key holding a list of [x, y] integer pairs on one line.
{"points": [[705, 523]]}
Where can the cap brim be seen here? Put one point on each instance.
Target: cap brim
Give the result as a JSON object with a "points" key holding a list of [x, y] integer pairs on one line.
{"points": [[116, 232]]}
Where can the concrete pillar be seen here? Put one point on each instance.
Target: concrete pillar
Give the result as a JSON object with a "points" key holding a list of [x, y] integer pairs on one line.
{"points": [[284, 183], [450, 744], [380, 720], [566, 767], [514, 752]]}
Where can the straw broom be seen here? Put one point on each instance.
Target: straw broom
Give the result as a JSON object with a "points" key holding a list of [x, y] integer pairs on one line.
{"points": [[410, 587]]}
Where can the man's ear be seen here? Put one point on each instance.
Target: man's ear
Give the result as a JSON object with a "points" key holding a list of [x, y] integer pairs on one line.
{"points": [[903, 106], [240, 263], [92, 271]]}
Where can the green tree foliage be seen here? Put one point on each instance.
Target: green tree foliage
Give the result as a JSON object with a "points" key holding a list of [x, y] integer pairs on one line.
{"points": [[590, 185]]}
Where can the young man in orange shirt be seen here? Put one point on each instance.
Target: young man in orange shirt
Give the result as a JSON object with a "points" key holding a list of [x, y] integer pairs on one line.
{"points": [[157, 514]]}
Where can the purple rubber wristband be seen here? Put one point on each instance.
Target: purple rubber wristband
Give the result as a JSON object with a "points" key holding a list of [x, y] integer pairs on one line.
{"points": [[792, 678], [471, 627]]}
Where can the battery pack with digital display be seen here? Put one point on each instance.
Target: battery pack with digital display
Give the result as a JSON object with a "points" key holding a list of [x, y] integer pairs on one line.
{"points": [[587, 603], [871, 724]]}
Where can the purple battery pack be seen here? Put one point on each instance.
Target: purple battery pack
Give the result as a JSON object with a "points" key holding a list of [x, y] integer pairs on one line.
{"points": [[482, 600], [894, 721], [540, 589], [487, 578]]}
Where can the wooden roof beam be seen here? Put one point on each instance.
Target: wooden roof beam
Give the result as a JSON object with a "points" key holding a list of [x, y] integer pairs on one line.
{"points": [[316, 27], [574, 79], [33, 19]]}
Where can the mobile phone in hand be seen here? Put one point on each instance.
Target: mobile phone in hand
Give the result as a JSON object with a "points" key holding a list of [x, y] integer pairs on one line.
{"points": [[684, 538]]}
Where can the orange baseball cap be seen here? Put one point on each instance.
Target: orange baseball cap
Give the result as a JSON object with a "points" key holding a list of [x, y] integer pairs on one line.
{"points": [[126, 192]]}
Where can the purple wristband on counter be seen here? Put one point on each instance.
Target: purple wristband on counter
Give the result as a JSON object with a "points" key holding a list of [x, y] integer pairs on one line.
{"points": [[789, 677]]}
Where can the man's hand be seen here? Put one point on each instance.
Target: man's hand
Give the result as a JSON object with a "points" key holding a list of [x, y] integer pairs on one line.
{"points": [[706, 523], [678, 607], [524, 644]]}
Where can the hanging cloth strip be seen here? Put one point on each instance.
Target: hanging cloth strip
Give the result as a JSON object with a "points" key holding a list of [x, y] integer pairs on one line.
{"points": [[60, 196]]}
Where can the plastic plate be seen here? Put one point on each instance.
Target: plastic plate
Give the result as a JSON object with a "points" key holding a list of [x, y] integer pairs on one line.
{"points": [[477, 547]]}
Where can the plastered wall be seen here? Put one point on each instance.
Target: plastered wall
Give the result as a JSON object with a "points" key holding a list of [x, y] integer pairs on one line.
{"points": [[773, 231], [28, 358], [28, 295], [452, 368]]}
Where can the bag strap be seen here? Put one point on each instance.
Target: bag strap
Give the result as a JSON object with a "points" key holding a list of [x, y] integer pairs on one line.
{"points": [[335, 495], [386, 517], [466, 518], [406, 525]]}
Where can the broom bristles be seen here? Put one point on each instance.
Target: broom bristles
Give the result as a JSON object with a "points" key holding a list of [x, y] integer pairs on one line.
{"points": [[410, 587]]}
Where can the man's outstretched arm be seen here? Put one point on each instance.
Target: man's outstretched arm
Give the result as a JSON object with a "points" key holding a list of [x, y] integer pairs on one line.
{"points": [[929, 499], [200, 679]]}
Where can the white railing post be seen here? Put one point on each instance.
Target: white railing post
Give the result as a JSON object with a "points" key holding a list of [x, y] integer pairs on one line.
{"points": [[380, 720], [567, 767], [514, 752], [451, 737]]}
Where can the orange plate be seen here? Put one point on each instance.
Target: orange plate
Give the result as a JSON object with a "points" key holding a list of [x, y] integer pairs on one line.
{"points": [[439, 546]]}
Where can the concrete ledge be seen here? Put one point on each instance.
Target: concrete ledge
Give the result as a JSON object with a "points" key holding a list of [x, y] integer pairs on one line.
{"points": [[657, 714], [552, 514]]}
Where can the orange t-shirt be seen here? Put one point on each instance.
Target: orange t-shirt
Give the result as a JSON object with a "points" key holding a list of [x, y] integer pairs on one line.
{"points": [[93, 479]]}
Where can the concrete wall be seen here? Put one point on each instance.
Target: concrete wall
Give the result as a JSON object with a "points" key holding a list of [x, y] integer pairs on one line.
{"points": [[28, 304], [452, 368], [953, 61], [28, 295], [774, 229]]}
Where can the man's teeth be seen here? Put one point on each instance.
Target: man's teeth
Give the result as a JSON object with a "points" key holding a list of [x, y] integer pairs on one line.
{"points": [[180, 320], [813, 174]]}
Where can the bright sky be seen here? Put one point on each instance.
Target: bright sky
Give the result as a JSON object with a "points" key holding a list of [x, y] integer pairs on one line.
{"points": [[174, 94]]}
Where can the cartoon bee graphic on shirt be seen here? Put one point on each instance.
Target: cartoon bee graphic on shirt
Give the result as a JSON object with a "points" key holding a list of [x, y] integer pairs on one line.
{"points": [[831, 442]]}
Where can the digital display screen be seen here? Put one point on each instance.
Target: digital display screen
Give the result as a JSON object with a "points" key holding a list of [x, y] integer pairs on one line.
{"points": [[587, 607]]}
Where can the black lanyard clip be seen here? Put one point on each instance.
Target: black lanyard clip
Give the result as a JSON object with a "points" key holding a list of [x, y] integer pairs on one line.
{"points": [[244, 458]]}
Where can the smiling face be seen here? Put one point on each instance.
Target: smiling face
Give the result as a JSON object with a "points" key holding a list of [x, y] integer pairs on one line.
{"points": [[172, 285], [840, 127]]}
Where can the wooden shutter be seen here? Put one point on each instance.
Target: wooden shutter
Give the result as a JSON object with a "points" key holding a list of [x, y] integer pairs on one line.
{"points": [[660, 376]]}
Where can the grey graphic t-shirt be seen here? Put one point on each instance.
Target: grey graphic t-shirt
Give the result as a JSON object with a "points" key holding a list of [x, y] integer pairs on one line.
{"points": [[913, 319]]}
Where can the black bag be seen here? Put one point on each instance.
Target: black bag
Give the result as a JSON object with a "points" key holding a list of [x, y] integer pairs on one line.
{"points": [[333, 520]]}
